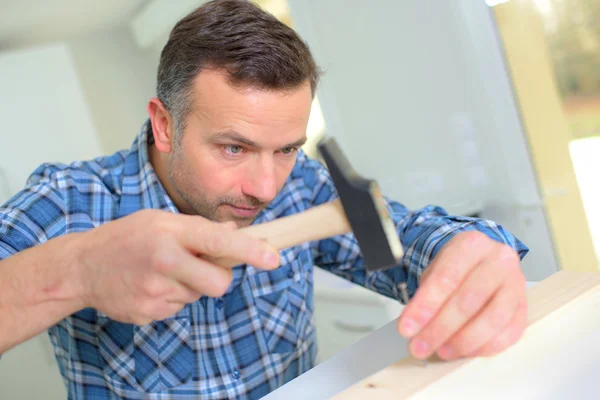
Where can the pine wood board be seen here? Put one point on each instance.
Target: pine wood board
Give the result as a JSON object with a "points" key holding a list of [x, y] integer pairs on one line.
{"points": [[563, 309]]}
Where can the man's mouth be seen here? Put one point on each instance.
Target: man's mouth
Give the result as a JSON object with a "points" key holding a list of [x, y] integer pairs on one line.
{"points": [[243, 210]]}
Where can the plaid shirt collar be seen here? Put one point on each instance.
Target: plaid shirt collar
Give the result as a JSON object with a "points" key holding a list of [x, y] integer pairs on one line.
{"points": [[141, 187]]}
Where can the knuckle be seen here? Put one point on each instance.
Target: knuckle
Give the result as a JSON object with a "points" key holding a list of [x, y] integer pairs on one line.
{"points": [[473, 238], [434, 336], [221, 283], [215, 243], [161, 226], [463, 344], [163, 261], [425, 314], [159, 229], [508, 256], [499, 318], [155, 287], [192, 296], [448, 280], [469, 302]]}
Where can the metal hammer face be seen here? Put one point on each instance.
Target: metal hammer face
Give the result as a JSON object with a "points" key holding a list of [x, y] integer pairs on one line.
{"points": [[365, 210]]}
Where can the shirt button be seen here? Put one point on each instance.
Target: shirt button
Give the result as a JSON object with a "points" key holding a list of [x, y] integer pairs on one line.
{"points": [[220, 303], [290, 274], [237, 374]]}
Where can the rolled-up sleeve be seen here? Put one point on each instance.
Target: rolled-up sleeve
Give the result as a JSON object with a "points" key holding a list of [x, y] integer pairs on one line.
{"points": [[423, 232], [32, 216]]}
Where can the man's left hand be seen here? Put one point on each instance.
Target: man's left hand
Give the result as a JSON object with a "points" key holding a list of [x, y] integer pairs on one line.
{"points": [[471, 301]]}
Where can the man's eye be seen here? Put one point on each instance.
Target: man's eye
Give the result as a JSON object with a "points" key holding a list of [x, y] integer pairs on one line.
{"points": [[234, 149], [288, 150]]}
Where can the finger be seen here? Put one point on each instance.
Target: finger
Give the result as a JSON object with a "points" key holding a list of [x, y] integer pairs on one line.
{"points": [[449, 268], [183, 294], [478, 288], [150, 311], [424, 275], [493, 319], [217, 241], [168, 309], [201, 276], [509, 336], [229, 225]]}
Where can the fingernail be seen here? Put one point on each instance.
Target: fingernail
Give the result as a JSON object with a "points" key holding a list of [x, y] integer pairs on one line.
{"points": [[419, 348], [409, 328], [272, 259], [446, 352]]}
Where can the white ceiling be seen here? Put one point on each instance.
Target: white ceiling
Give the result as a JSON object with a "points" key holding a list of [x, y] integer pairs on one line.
{"points": [[25, 22]]}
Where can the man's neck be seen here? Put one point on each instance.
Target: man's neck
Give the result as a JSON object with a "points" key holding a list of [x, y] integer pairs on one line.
{"points": [[160, 166]]}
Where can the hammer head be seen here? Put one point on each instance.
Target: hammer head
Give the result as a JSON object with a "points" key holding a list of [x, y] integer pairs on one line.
{"points": [[365, 210]]}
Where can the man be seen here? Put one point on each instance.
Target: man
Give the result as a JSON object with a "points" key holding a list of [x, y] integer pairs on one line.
{"points": [[110, 255]]}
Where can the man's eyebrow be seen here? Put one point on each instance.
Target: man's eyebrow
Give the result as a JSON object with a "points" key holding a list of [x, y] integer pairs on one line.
{"points": [[233, 136], [297, 143], [236, 137]]}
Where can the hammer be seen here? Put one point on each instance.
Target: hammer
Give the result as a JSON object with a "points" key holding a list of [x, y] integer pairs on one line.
{"points": [[360, 209]]}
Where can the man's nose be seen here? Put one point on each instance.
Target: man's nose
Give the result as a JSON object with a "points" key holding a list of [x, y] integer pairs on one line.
{"points": [[261, 182]]}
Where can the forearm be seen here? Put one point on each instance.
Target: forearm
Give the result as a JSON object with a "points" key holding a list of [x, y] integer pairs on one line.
{"points": [[39, 287], [425, 232]]}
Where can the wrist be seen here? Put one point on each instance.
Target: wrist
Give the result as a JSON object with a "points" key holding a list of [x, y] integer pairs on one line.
{"points": [[53, 276], [80, 284]]}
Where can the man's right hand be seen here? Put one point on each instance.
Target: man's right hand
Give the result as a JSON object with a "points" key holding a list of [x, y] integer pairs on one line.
{"points": [[149, 265]]}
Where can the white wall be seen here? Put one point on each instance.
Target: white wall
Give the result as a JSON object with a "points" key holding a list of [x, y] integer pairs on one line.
{"points": [[391, 91], [427, 109], [44, 118], [29, 371], [513, 197], [118, 79]]}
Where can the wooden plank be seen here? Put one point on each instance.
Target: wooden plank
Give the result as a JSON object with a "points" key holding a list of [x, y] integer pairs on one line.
{"points": [[561, 293]]}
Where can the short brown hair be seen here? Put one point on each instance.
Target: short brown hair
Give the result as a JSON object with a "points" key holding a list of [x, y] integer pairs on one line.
{"points": [[237, 36]]}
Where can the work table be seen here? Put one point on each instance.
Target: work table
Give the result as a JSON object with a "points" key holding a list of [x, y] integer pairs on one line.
{"points": [[569, 371]]}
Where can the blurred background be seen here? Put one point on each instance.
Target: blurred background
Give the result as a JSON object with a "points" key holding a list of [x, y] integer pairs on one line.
{"points": [[487, 108]]}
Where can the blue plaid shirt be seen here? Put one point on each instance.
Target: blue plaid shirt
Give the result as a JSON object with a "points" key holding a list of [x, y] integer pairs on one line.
{"points": [[243, 345]]}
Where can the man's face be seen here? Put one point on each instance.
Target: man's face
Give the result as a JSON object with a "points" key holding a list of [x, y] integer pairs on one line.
{"points": [[238, 148]]}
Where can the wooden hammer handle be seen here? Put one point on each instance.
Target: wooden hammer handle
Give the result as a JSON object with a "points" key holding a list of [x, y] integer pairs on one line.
{"points": [[316, 223]]}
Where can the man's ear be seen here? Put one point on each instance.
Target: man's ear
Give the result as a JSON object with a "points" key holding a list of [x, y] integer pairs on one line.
{"points": [[163, 128]]}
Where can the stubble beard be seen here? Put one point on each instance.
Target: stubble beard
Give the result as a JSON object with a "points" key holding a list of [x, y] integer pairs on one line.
{"points": [[181, 178]]}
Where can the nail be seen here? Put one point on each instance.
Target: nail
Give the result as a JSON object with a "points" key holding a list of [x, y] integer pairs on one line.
{"points": [[403, 292], [409, 328]]}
